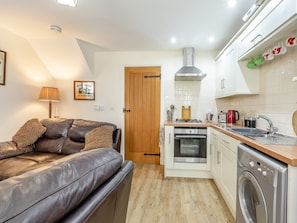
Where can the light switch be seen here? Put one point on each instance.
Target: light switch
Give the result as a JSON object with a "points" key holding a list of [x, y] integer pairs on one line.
{"points": [[96, 107]]}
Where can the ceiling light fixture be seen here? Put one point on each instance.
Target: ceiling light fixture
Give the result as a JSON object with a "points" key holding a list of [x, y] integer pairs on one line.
{"points": [[232, 3], [72, 3], [173, 40], [211, 39]]}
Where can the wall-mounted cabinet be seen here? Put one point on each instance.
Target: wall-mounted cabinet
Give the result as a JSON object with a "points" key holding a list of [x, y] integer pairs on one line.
{"points": [[270, 25], [274, 22], [233, 77]]}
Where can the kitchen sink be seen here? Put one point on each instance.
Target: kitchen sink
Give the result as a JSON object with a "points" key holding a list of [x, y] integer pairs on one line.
{"points": [[247, 131], [263, 137], [276, 139]]}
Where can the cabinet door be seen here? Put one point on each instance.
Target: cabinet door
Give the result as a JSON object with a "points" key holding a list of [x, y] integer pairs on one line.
{"points": [[225, 73], [219, 76], [234, 77], [215, 154], [229, 170], [229, 73], [169, 146], [273, 18]]}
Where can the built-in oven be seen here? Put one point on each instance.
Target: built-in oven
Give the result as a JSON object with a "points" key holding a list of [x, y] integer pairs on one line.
{"points": [[190, 144]]}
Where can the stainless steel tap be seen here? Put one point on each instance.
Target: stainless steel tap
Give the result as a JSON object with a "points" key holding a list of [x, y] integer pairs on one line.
{"points": [[271, 129]]}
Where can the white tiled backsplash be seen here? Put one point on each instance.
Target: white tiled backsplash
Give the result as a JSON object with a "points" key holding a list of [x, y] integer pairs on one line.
{"points": [[278, 94], [191, 93], [186, 94]]}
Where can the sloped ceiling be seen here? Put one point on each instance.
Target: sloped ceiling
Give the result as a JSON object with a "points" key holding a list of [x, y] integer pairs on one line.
{"points": [[64, 58]]}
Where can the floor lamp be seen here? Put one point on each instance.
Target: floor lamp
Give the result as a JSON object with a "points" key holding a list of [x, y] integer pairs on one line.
{"points": [[49, 94]]}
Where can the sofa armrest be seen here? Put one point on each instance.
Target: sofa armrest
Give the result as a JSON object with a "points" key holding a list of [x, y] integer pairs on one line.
{"points": [[9, 149], [48, 193], [117, 135]]}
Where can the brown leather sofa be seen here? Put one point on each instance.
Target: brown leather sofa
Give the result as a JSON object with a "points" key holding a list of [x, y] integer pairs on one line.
{"points": [[55, 180]]}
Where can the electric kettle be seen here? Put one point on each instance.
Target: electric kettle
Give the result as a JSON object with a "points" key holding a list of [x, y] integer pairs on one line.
{"points": [[232, 116]]}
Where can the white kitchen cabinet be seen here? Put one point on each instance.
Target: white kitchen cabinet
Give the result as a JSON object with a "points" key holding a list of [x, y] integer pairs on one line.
{"points": [[228, 180], [224, 73], [224, 166], [269, 26], [215, 154], [233, 77], [169, 146]]}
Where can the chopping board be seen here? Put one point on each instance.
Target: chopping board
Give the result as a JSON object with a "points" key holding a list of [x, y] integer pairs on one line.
{"points": [[186, 113], [294, 122]]}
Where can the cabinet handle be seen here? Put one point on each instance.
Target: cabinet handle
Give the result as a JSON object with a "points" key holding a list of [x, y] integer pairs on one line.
{"points": [[169, 138], [210, 149], [225, 141], [256, 37], [223, 83], [218, 157]]}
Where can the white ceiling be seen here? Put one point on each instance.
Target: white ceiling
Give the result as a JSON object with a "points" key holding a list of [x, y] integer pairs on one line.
{"points": [[128, 24]]}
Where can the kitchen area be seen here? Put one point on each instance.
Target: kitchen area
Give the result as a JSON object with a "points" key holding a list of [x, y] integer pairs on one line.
{"points": [[248, 109]]}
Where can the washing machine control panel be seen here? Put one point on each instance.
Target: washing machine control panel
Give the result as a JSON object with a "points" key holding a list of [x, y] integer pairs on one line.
{"points": [[262, 169]]}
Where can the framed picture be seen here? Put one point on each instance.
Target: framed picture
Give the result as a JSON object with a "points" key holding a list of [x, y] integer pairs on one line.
{"points": [[84, 90], [2, 67]]}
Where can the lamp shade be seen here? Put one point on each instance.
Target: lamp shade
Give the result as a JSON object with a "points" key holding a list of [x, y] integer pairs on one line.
{"points": [[49, 94]]}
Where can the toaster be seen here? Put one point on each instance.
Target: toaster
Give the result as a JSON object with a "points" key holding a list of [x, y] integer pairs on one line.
{"points": [[222, 117]]}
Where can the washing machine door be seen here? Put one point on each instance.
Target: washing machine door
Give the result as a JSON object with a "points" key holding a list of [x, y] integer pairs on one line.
{"points": [[251, 199]]}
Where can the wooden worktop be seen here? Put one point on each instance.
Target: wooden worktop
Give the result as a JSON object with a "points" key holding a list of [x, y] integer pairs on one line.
{"points": [[284, 153]]}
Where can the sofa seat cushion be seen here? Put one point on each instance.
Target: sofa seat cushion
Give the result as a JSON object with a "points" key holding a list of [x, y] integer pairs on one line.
{"points": [[9, 149], [14, 166], [41, 157], [17, 165], [55, 189]]}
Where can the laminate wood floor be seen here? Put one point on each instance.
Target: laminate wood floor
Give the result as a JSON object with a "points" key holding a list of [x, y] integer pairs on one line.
{"points": [[155, 199]]}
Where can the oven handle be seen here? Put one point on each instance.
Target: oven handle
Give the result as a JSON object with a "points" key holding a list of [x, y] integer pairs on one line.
{"points": [[190, 136]]}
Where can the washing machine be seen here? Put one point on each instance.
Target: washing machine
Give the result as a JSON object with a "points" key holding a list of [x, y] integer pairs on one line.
{"points": [[261, 187]]}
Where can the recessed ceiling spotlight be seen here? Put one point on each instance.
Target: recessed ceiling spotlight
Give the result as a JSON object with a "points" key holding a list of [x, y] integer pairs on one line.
{"points": [[56, 28], [210, 39], [72, 3], [173, 40], [232, 3]]}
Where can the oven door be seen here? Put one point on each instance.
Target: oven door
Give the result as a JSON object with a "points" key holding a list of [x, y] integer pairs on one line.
{"points": [[190, 148]]}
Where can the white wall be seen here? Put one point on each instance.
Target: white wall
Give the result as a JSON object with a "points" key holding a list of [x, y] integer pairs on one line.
{"points": [[25, 75], [109, 78]]}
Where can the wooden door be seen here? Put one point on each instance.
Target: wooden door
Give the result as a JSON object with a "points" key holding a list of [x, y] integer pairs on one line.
{"points": [[142, 114]]}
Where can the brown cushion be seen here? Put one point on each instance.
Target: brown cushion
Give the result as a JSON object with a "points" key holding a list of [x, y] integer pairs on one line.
{"points": [[28, 133], [98, 138]]}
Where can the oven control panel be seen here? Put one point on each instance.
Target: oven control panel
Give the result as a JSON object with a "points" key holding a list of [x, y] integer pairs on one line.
{"points": [[190, 130]]}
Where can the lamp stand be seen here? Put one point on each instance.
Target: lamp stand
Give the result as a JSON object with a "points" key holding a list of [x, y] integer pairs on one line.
{"points": [[49, 109]]}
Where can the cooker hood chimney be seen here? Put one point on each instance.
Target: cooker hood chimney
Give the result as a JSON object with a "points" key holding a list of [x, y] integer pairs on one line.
{"points": [[188, 72]]}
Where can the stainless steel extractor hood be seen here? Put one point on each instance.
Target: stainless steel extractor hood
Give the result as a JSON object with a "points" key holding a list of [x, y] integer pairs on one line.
{"points": [[189, 72]]}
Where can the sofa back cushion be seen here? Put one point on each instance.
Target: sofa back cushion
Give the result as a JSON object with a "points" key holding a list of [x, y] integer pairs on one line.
{"points": [[54, 136], [76, 135], [66, 136]]}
